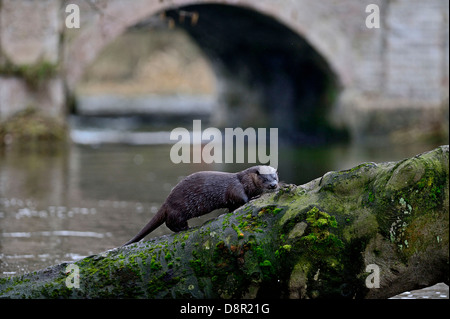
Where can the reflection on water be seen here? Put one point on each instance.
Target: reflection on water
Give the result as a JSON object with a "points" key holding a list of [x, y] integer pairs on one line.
{"points": [[62, 205]]}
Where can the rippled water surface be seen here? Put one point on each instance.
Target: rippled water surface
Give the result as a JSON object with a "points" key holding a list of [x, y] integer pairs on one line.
{"points": [[62, 205]]}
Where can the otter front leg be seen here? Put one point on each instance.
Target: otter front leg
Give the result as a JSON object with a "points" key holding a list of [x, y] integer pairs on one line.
{"points": [[236, 199]]}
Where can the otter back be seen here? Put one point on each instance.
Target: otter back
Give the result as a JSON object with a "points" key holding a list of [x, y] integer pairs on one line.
{"points": [[203, 192]]}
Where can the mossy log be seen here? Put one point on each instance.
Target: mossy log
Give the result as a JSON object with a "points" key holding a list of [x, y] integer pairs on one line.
{"points": [[331, 238]]}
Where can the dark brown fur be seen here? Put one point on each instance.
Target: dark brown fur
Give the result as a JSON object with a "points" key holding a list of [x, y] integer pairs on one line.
{"points": [[203, 192]]}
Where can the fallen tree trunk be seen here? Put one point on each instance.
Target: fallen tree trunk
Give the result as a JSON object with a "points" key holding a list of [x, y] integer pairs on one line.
{"points": [[369, 232]]}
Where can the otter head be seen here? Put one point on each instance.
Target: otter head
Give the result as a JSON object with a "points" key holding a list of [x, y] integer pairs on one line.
{"points": [[258, 179], [267, 176], [263, 177]]}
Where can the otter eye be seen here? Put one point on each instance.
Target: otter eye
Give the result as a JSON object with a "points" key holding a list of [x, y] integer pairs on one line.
{"points": [[257, 173]]}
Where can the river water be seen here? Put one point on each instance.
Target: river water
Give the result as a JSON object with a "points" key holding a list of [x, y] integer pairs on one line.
{"points": [[63, 204]]}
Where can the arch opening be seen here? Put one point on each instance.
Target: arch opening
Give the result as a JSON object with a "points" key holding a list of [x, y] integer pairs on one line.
{"points": [[143, 81], [267, 75]]}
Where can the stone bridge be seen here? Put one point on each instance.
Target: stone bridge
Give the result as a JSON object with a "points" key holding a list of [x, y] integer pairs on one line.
{"points": [[300, 59]]}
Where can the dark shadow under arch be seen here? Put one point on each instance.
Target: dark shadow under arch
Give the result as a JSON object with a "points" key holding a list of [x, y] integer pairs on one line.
{"points": [[269, 76]]}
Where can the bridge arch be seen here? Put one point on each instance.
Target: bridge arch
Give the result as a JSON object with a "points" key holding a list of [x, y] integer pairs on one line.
{"points": [[301, 68]]}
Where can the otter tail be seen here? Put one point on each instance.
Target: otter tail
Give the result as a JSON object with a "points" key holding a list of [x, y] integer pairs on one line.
{"points": [[154, 223]]}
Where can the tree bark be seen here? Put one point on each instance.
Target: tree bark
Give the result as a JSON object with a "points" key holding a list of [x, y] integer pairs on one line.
{"points": [[369, 232]]}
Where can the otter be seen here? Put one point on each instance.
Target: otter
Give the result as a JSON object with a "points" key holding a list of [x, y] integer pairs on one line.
{"points": [[202, 192]]}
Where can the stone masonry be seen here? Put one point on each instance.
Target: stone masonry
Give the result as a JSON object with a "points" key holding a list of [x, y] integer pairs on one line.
{"points": [[30, 35], [392, 78]]}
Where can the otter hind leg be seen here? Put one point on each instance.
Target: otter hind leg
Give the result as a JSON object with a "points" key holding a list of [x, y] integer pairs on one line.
{"points": [[176, 224]]}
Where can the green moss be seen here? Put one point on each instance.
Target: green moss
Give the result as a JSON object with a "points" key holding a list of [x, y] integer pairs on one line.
{"points": [[197, 267], [239, 233], [34, 75], [30, 126], [364, 225], [267, 269], [283, 250], [271, 209], [154, 264], [226, 221], [284, 190], [322, 255], [160, 285], [398, 208], [371, 197], [254, 223], [319, 223]]}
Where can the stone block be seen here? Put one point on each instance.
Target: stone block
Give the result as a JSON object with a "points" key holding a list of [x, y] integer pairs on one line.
{"points": [[16, 96], [29, 31]]}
